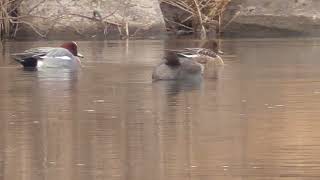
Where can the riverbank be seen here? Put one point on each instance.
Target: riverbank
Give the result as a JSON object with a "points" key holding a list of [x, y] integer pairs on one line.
{"points": [[269, 18], [142, 19]]}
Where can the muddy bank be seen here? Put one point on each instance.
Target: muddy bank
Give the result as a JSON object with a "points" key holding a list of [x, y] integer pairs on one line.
{"points": [[67, 33], [256, 18], [263, 18], [90, 19], [109, 19]]}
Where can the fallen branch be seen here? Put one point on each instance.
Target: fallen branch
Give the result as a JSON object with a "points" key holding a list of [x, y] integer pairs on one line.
{"points": [[94, 19], [180, 24]]}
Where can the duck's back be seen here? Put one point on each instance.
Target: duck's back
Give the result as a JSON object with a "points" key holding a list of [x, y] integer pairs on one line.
{"points": [[59, 58], [47, 57], [165, 72], [30, 56], [190, 66], [187, 68]]}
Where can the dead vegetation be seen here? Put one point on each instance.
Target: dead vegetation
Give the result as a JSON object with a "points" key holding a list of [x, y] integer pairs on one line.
{"points": [[12, 19], [197, 16], [6, 15]]}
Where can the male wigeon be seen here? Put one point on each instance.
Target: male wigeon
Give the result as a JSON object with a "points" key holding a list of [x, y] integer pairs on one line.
{"points": [[177, 68], [65, 56]]}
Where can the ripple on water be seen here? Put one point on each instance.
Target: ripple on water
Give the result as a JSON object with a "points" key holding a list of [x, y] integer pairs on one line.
{"points": [[259, 120]]}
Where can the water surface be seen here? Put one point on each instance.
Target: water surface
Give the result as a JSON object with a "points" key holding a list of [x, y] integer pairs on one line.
{"points": [[259, 120]]}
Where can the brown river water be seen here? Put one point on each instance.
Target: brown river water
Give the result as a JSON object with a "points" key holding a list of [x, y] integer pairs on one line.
{"points": [[109, 121]]}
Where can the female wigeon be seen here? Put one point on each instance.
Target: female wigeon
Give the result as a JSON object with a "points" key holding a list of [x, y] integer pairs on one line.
{"points": [[177, 68], [208, 55], [65, 56], [208, 52]]}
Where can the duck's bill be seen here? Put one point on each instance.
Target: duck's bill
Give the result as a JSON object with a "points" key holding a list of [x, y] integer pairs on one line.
{"points": [[80, 55]]}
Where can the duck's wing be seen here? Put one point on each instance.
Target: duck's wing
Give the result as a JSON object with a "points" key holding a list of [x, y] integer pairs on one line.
{"points": [[30, 57], [39, 50], [194, 52], [187, 52], [27, 59], [31, 53], [59, 53], [198, 52]]}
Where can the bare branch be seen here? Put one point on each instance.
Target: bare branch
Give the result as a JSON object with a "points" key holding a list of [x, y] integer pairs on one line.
{"points": [[11, 19], [35, 29], [34, 7], [202, 14], [92, 18]]}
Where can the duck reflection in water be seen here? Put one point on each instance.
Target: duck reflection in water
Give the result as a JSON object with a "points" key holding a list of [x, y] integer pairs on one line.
{"points": [[173, 88]]}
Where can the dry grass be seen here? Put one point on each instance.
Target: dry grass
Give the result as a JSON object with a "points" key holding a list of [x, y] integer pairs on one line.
{"points": [[204, 14], [4, 18], [11, 20], [8, 17]]}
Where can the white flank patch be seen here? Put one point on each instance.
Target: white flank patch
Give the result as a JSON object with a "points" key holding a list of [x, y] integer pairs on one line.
{"points": [[190, 55], [57, 57]]}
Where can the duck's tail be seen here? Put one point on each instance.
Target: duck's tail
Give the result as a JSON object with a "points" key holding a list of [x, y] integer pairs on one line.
{"points": [[25, 60]]}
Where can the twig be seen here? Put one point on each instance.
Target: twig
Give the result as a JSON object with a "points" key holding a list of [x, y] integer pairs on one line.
{"points": [[37, 5], [31, 26], [231, 20], [93, 19], [180, 24]]}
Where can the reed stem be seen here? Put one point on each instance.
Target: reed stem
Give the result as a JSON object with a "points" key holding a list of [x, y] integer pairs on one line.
{"points": [[204, 14]]}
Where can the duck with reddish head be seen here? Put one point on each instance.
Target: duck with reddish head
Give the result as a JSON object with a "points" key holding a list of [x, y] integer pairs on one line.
{"points": [[66, 56]]}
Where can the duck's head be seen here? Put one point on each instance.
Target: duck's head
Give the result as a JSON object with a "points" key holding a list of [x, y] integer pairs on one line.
{"points": [[72, 47], [172, 59], [213, 45]]}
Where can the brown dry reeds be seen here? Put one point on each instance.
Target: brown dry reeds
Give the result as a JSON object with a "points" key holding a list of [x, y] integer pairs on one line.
{"points": [[4, 19], [204, 14], [8, 15], [11, 19]]}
